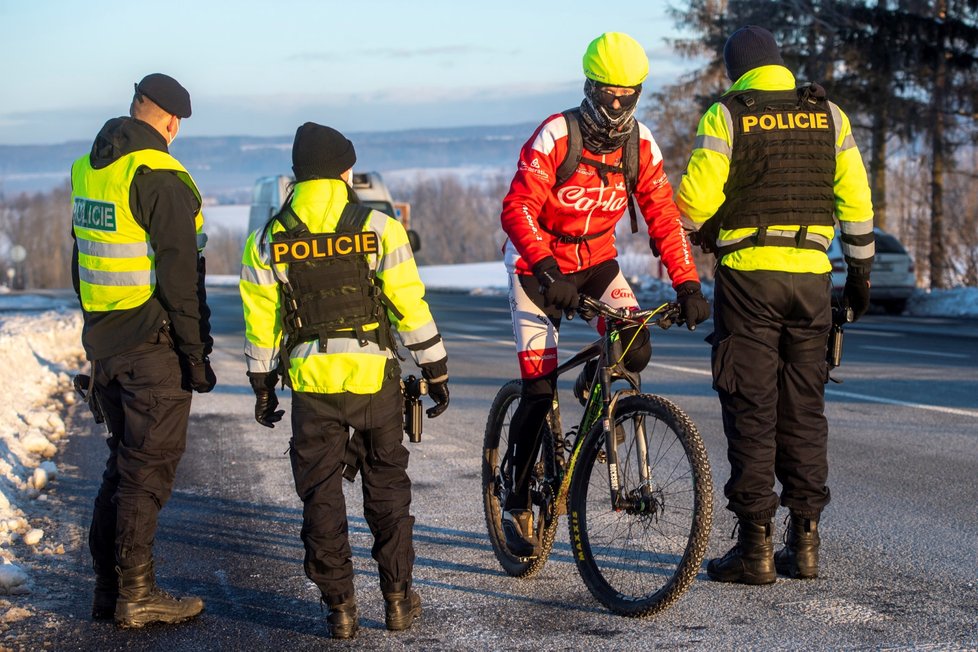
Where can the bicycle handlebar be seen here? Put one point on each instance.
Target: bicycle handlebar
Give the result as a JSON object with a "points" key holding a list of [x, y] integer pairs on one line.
{"points": [[664, 316]]}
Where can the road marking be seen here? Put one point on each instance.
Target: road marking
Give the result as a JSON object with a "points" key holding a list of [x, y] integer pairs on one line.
{"points": [[837, 392], [890, 401], [462, 336], [914, 351], [689, 370]]}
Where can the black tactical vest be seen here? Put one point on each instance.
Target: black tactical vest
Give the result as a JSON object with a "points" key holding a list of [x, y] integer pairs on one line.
{"points": [[782, 167], [331, 291]]}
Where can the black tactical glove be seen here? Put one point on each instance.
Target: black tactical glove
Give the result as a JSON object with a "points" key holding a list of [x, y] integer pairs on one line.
{"points": [[200, 375], [856, 295], [693, 306], [439, 394], [263, 385], [556, 289], [436, 373]]}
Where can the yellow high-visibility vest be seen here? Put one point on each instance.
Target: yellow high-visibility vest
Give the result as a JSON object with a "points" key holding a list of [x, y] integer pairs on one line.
{"points": [[116, 263]]}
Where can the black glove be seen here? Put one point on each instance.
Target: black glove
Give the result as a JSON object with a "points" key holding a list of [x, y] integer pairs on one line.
{"points": [[556, 289], [439, 394], [693, 306], [201, 376], [856, 295], [436, 373], [263, 385]]}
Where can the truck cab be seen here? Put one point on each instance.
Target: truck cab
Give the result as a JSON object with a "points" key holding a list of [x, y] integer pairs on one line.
{"points": [[270, 193]]}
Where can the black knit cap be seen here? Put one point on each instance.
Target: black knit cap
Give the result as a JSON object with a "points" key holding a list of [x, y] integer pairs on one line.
{"points": [[167, 93], [320, 152], [748, 48]]}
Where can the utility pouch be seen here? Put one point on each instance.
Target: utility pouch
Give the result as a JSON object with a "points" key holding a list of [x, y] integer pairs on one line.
{"points": [[85, 388]]}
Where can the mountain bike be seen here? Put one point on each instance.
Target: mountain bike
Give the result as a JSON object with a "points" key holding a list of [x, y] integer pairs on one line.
{"points": [[633, 477]]}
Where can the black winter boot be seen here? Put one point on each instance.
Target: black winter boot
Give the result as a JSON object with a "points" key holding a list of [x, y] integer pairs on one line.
{"points": [[141, 602], [343, 619], [106, 593], [799, 557], [402, 605], [751, 560]]}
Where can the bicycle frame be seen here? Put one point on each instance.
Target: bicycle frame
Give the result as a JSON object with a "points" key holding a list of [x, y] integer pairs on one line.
{"points": [[601, 403]]}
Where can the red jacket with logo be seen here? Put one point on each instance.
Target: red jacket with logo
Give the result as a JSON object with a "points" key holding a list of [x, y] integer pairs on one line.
{"points": [[584, 205]]}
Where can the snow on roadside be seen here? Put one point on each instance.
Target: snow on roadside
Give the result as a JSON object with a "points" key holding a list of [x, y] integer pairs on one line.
{"points": [[39, 352]]}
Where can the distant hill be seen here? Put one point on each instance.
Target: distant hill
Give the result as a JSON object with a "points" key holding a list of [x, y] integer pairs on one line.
{"points": [[225, 167]]}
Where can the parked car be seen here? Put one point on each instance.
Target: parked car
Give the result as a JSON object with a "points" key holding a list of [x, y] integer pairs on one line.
{"points": [[892, 280]]}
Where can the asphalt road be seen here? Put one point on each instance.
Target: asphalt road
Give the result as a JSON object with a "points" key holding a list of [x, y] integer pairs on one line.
{"points": [[900, 538]]}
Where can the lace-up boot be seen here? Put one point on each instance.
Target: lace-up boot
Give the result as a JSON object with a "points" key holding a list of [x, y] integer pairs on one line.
{"points": [[751, 560], [402, 605], [799, 557], [141, 602]]}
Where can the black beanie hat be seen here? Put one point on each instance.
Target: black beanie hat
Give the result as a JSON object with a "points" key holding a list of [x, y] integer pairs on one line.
{"points": [[320, 152], [748, 48], [166, 92]]}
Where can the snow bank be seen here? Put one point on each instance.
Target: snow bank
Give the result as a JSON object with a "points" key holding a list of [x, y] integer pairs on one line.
{"points": [[39, 352]]}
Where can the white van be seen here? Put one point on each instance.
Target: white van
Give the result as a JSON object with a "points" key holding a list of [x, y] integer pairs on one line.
{"points": [[270, 193]]}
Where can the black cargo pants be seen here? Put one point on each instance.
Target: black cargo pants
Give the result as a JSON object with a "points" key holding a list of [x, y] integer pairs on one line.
{"points": [[320, 431], [769, 370], [147, 410]]}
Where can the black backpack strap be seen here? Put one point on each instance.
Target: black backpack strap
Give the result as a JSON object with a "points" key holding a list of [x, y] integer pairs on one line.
{"points": [[353, 218], [630, 161], [575, 146]]}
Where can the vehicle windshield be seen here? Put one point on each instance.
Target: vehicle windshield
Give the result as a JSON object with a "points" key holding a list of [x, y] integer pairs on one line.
{"points": [[887, 244], [382, 206]]}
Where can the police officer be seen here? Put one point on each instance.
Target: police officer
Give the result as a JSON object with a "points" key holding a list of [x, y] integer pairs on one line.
{"points": [[139, 275], [773, 168], [322, 285]]}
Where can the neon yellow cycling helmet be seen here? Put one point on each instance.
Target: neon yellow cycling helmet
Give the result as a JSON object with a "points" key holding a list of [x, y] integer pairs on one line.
{"points": [[616, 59]]}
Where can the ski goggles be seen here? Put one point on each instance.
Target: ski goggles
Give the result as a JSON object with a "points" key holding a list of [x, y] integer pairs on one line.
{"points": [[627, 96]]}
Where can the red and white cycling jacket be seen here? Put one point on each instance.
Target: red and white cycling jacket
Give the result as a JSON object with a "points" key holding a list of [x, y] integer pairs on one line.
{"points": [[584, 206]]}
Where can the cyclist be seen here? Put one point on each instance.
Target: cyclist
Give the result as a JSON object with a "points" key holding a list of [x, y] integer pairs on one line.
{"points": [[561, 242]]}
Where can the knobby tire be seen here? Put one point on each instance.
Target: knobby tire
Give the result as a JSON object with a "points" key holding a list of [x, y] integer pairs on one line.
{"points": [[639, 563]]}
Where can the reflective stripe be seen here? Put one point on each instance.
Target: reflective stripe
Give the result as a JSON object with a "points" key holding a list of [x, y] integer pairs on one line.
{"points": [[422, 334], [397, 256], [113, 249], [713, 144], [861, 227], [260, 360], [432, 354], [201, 241], [337, 345], [777, 233], [859, 252], [837, 122], [257, 275], [141, 278]]}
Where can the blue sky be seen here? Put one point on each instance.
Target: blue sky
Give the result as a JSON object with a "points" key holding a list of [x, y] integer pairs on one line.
{"points": [[262, 68]]}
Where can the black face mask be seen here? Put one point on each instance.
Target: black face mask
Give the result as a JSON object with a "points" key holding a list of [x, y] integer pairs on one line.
{"points": [[605, 129]]}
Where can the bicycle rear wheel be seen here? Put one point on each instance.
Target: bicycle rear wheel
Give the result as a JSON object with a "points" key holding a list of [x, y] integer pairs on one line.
{"points": [[495, 486], [639, 559]]}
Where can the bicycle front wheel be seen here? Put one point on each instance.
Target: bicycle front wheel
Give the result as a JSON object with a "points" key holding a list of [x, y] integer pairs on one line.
{"points": [[639, 558]]}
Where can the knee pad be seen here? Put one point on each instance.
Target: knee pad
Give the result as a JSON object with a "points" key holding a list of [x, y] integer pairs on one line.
{"points": [[640, 352]]}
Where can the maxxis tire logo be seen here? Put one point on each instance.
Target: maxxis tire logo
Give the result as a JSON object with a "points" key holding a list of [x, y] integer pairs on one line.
{"points": [[576, 534]]}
